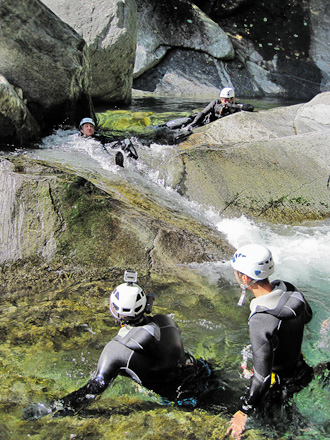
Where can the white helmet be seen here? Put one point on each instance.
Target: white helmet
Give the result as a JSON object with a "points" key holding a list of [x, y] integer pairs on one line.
{"points": [[127, 302], [227, 92], [86, 121], [254, 260]]}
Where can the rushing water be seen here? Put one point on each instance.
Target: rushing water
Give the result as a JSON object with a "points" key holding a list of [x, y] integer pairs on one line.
{"points": [[300, 252]]}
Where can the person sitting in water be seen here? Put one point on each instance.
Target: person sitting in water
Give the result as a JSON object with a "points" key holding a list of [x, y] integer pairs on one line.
{"points": [[87, 130], [148, 349], [218, 108]]}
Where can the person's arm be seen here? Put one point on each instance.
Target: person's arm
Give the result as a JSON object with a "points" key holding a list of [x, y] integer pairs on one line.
{"points": [[80, 398], [113, 357], [201, 115], [238, 107], [262, 330], [262, 327], [247, 107]]}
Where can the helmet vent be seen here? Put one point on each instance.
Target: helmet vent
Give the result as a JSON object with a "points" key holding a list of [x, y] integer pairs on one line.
{"points": [[127, 301]]}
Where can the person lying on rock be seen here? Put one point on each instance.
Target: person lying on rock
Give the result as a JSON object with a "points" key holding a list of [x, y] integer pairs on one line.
{"points": [[147, 349], [87, 130], [218, 108]]}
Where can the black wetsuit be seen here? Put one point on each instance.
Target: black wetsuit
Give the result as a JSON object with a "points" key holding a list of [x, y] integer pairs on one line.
{"points": [[216, 110], [276, 327], [124, 144], [152, 354]]}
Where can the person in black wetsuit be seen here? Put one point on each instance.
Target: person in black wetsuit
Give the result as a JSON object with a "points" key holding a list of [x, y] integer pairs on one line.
{"points": [[218, 108], [87, 130], [278, 316], [147, 349]]}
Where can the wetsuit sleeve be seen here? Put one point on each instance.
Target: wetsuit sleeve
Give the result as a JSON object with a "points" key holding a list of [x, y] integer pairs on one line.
{"points": [[209, 108], [263, 341], [247, 107], [112, 358], [115, 359]]}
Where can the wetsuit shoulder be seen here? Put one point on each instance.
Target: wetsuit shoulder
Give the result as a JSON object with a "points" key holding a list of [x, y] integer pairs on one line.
{"points": [[139, 338], [291, 304], [164, 321]]}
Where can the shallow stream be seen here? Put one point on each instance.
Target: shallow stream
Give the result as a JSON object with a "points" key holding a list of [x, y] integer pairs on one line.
{"points": [[57, 330]]}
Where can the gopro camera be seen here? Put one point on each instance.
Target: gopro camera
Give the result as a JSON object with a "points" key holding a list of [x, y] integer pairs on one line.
{"points": [[130, 276]]}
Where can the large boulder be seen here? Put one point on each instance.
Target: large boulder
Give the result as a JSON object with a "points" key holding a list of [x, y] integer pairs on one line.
{"points": [[109, 27], [270, 164], [290, 55], [47, 60], [164, 25], [16, 120], [179, 50], [269, 59], [194, 74], [56, 217]]}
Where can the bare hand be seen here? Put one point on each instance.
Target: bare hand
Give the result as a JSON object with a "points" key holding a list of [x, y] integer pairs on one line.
{"points": [[237, 425]]}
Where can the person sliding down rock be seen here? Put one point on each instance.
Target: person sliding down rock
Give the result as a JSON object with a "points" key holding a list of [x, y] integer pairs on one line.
{"points": [[87, 130], [218, 108], [147, 349]]}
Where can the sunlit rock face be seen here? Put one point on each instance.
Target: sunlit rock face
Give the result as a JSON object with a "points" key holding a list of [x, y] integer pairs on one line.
{"points": [[270, 164], [54, 216], [109, 29]]}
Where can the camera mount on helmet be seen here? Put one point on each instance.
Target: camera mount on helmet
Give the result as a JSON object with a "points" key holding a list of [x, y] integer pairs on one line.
{"points": [[130, 276]]}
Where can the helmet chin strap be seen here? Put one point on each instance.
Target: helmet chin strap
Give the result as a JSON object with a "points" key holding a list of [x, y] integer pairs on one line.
{"points": [[242, 298], [243, 287]]}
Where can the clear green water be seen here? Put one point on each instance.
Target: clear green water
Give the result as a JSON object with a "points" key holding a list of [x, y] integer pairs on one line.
{"points": [[54, 325]]}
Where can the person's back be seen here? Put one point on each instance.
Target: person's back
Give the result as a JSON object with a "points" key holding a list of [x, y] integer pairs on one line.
{"points": [[276, 325], [161, 344], [294, 315], [170, 343], [151, 353]]}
